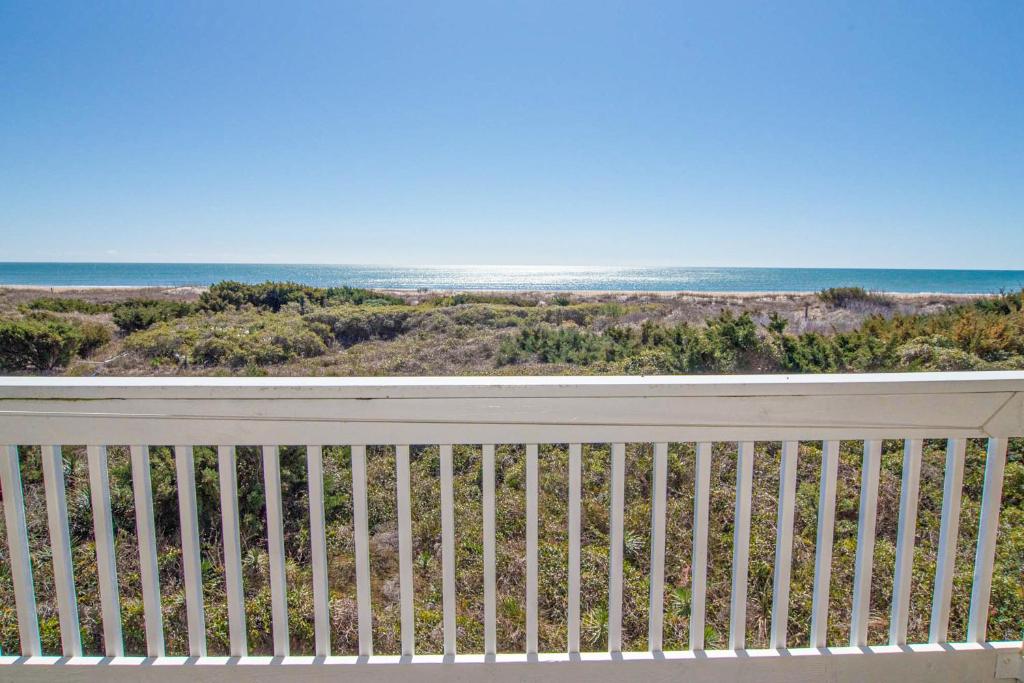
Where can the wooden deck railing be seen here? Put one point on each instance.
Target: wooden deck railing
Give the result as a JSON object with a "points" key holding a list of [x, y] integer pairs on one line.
{"points": [[485, 411]]}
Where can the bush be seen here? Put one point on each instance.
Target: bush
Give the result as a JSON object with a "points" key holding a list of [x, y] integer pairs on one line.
{"points": [[840, 297], [42, 345], [920, 355], [139, 314], [67, 305], [463, 298], [231, 339], [272, 296], [351, 325], [92, 335]]}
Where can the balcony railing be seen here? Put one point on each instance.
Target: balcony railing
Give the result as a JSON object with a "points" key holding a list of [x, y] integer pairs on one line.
{"points": [[572, 411]]}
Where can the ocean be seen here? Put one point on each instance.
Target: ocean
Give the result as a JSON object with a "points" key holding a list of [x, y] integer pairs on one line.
{"points": [[524, 278]]}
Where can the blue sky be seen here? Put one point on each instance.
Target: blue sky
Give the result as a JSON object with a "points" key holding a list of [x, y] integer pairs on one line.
{"points": [[601, 133]]}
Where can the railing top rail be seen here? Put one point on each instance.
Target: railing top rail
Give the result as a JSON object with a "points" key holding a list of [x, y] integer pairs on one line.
{"points": [[511, 409], [561, 385]]}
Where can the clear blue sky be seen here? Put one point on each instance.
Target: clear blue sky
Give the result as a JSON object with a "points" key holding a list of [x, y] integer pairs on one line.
{"points": [[803, 134]]}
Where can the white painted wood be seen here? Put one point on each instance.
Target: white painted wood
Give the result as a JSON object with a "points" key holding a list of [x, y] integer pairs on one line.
{"points": [[448, 549], [575, 487], [905, 534], [531, 548], [784, 543], [659, 495], [227, 471], [870, 470], [21, 559], [512, 410], [146, 533], [489, 385], [405, 578], [275, 549], [490, 592], [701, 509], [318, 547], [533, 410], [913, 664], [184, 462], [823, 547], [988, 526], [741, 546], [362, 550], [60, 546], [617, 490], [106, 562], [949, 527]]}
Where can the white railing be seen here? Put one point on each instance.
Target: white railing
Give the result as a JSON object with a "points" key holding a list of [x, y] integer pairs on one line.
{"points": [[530, 411]]}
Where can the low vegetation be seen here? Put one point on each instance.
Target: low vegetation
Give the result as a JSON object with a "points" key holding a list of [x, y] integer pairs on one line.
{"points": [[988, 334], [286, 328], [41, 344], [272, 296], [846, 296], [290, 329]]}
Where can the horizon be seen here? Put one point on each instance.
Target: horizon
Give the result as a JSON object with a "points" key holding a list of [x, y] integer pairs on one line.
{"points": [[508, 266], [870, 136]]}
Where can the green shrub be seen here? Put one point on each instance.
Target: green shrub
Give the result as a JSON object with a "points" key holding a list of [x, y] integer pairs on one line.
{"points": [[351, 325], [921, 355], [272, 296], [68, 305], [41, 345], [139, 314], [92, 335], [1007, 303], [462, 298], [236, 340], [844, 296]]}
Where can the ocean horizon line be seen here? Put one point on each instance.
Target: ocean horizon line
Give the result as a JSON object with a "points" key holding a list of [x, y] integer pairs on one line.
{"points": [[499, 266]]}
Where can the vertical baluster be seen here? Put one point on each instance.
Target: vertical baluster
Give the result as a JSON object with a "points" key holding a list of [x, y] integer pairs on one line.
{"points": [[872, 463], [60, 545], [106, 564], [659, 496], [489, 603], [988, 526], [226, 467], [617, 493], [146, 532], [741, 547], [275, 549], [784, 544], [531, 548], [184, 460], [952, 488], [21, 559], [823, 547], [575, 485], [906, 530], [448, 549], [362, 547], [405, 580], [701, 501], [318, 543]]}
